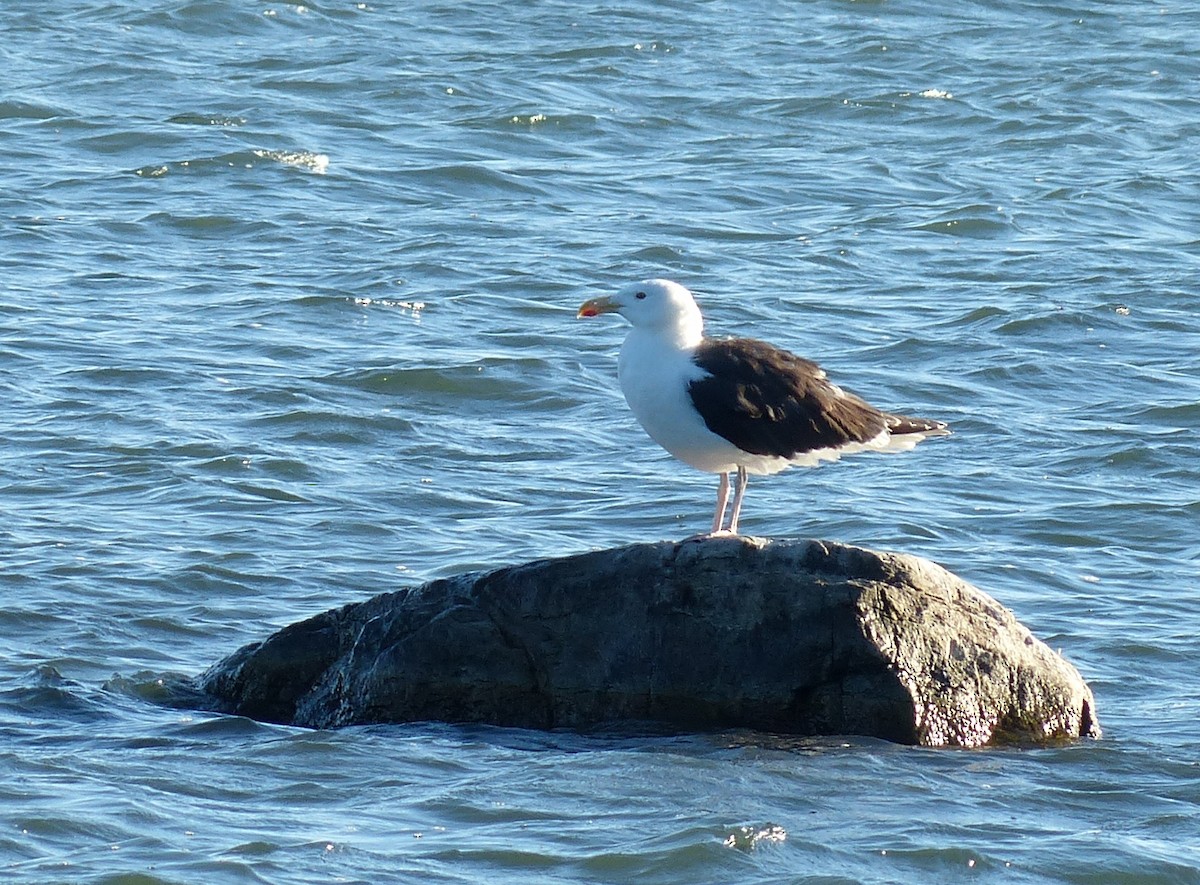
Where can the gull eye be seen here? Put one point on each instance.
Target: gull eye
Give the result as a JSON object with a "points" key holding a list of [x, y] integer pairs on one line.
{"points": [[640, 296]]}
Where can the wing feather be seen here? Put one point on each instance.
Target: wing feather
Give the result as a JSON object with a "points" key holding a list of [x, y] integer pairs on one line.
{"points": [[768, 401]]}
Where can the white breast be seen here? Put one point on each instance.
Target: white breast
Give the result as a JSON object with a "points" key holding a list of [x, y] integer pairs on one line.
{"points": [[654, 378]]}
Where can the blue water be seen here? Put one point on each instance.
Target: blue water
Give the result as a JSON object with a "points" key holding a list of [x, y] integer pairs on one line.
{"points": [[287, 302]]}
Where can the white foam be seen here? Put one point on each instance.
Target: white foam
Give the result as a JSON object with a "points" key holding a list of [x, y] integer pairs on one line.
{"points": [[313, 162]]}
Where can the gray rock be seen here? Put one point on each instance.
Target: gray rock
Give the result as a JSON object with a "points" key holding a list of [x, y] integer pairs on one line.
{"points": [[798, 637]]}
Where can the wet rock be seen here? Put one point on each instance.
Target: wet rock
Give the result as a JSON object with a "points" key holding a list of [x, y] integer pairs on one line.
{"points": [[798, 637]]}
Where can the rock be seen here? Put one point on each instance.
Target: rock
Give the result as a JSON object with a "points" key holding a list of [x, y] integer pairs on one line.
{"points": [[797, 637]]}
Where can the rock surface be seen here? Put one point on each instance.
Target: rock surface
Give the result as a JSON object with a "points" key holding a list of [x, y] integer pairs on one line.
{"points": [[798, 637]]}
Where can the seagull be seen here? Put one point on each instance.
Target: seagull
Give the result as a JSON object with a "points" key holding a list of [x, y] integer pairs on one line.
{"points": [[737, 405]]}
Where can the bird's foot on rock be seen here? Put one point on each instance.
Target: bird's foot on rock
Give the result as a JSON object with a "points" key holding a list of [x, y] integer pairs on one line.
{"points": [[706, 536]]}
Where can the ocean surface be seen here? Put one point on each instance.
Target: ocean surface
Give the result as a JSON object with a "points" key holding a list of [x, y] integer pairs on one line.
{"points": [[287, 319]]}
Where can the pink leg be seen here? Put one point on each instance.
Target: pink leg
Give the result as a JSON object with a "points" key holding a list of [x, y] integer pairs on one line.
{"points": [[738, 494], [722, 499]]}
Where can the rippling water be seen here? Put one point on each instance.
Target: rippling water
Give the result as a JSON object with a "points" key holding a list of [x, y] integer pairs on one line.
{"points": [[286, 320]]}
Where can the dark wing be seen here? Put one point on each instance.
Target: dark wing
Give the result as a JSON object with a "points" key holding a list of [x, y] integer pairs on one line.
{"points": [[770, 402]]}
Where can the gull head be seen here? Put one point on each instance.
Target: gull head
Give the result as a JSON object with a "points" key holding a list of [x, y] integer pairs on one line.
{"points": [[659, 306]]}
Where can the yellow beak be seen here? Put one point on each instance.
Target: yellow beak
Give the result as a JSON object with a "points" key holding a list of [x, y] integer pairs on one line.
{"points": [[597, 306]]}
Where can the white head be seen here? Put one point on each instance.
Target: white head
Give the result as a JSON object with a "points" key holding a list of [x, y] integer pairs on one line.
{"points": [[660, 307]]}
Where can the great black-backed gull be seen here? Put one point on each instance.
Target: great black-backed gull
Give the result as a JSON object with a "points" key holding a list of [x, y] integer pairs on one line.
{"points": [[737, 404]]}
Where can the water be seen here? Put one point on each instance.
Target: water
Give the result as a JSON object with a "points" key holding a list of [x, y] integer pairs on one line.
{"points": [[287, 320]]}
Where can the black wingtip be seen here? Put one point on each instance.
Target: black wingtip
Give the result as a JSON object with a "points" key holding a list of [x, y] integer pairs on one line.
{"points": [[898, 425]]}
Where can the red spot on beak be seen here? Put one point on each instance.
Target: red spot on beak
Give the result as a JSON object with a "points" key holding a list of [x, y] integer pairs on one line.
{"points": [[595, 307]]}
